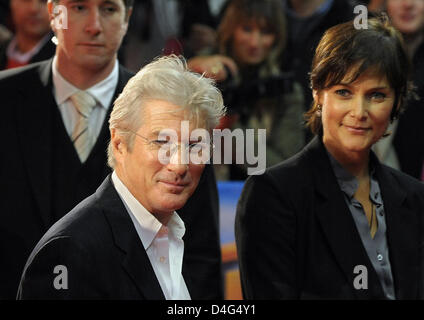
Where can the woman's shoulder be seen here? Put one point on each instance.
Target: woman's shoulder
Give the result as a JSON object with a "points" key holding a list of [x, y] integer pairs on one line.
{"points": [[405, 181], [290, 173]]}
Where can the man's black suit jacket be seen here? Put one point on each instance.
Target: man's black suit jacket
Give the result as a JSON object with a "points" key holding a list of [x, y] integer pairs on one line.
{"points": [[296, 237], [102, 252], [25, 203]]}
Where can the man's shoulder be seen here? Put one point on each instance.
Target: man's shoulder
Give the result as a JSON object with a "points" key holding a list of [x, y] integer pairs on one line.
{"points": [[90, 221], [17, 77], [22, 71], [124, 74], [80, 223], [125, 70]]}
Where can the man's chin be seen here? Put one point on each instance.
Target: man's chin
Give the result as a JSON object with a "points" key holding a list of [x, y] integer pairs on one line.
{"points": [[93, 61], [172, 202]]}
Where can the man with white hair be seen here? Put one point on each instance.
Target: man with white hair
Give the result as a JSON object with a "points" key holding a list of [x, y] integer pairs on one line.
{"points": [[125, 241], [55, 114]]}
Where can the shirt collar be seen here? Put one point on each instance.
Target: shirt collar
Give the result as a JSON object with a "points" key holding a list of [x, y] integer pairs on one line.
{"points": [[102, 91], [13, 52], [348, 182], [176, 226], [148, 223]]}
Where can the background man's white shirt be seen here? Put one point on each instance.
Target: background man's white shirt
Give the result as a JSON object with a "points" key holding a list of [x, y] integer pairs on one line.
{"points": [[102, 92]]}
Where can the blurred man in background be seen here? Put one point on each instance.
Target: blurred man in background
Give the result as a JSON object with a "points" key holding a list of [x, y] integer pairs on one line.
{"points": [[32, 35]]}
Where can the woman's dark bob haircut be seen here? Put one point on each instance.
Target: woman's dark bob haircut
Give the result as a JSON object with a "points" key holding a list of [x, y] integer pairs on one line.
{"points": [[268, 14], [347, 51]]}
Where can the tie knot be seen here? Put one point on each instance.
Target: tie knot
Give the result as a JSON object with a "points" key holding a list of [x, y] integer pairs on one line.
{"points": [[83, 102]]}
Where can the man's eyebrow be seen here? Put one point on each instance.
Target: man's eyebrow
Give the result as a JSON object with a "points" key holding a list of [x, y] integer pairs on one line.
{"points": [[110, 2], [157, 132]]}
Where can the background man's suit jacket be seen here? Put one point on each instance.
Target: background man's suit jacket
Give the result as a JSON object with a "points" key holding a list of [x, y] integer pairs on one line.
{"points": [[28, 107], [296, 237], [103, 254]]}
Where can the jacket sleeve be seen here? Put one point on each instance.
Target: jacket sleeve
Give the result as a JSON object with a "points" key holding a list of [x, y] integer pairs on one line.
{"points": [[58, 270], [265, 230]]}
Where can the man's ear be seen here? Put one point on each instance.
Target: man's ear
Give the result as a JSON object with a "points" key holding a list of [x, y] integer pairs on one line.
{"points": [[118, 146], [50, 9], [127, 19], [129, 13]]}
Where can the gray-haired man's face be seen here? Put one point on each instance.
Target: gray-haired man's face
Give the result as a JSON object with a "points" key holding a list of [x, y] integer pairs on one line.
{"points": [[161, 187]]}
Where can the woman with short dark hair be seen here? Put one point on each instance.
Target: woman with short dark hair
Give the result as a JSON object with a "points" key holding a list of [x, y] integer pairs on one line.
{"points": [[332, 222]]}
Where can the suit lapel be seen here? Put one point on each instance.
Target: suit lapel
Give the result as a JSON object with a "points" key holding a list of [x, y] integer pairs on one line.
{"points": [[189, 281], [34, 112], [337, 222], [402, 236], [135, 261]]}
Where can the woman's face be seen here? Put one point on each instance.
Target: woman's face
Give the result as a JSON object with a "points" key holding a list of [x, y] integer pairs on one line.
{"points": [[356, 115], [407, 15], [252, 43]]}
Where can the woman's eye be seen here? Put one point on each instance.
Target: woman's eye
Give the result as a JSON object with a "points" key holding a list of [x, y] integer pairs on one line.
{"points": [[378, 95], [342, 92]]}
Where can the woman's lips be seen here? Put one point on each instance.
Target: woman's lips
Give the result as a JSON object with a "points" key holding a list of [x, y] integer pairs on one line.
{"points": [[357, 130]]}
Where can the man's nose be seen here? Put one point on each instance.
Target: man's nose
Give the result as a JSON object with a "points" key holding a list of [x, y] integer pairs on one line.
{"points": [[93, 25], [179, 160]]}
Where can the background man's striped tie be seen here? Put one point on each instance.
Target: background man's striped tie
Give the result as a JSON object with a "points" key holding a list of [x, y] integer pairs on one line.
{"points": [[83, 142]]}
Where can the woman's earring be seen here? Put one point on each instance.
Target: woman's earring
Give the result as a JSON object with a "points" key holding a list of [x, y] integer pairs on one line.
{"points": [[319, 109]]}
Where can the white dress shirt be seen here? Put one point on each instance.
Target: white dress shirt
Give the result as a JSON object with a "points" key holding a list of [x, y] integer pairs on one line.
{"points": [[102, 91], [163, 244]]}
